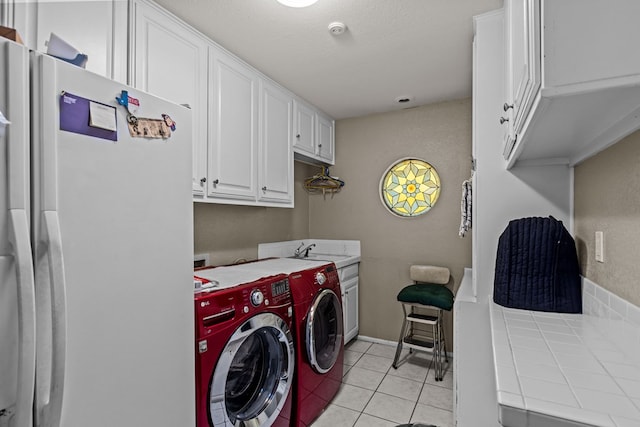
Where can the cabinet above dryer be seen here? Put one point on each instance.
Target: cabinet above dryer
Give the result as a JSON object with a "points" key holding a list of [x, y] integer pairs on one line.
{"points": [[573, 79]]}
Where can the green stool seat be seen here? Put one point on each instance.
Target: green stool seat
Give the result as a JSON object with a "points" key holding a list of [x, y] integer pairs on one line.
{"points": [[427, 294]]}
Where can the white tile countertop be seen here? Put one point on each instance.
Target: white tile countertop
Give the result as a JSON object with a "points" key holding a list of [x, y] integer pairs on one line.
{"points": [[556, 369]]}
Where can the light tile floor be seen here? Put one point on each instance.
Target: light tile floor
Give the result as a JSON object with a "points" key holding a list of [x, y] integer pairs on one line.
{"points": [[374, 394]]}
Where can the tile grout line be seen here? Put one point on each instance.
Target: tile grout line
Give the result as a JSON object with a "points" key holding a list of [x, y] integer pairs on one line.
{"points": [[374, 391], [421, 389], [377, 387]]}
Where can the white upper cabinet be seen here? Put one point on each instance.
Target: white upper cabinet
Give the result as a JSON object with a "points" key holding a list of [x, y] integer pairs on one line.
{"points": [[523, 64], [96, 28], [244, 125], [314, 135], [325, 139], [573, 80], [169, 59], [233, 131], [275, 168], [305, 125]]}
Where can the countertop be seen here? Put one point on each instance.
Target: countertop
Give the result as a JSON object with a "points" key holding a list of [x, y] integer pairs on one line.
{"points": [[340, 252], [556, 369]]}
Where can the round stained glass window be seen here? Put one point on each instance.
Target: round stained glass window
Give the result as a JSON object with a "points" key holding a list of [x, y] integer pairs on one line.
{"points": [[410, 187]]}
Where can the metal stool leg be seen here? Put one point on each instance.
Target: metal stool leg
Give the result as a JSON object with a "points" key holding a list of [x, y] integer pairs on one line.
{"points": [[444, 343], [434, 344], [437, 347], [403, 333]]}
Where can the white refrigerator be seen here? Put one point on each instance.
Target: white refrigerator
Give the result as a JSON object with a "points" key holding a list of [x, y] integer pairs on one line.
{"points": [[96, 244]]}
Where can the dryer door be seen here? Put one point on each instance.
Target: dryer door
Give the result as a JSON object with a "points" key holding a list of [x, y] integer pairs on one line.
{"points": [[324, 331], [253, 376]]}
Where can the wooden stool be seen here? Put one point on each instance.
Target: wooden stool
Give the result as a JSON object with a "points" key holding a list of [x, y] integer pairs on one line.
{"points": [[428, 293]]}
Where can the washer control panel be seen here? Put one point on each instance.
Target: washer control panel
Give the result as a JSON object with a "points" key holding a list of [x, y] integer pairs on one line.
{"points": [[218, 306], [326, 277], [257, 297], [320, 278]]}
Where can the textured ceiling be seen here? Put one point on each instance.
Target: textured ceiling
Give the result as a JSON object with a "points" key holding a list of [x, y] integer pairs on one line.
{"points": [[391, 49]]}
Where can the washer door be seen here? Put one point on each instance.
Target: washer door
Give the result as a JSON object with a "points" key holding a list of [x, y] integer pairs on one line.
{"points": [[253, 376], [324, 331]]}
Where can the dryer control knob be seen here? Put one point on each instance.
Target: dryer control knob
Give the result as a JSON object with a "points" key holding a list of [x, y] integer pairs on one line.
{"points": [[256, 298], [320, 278]]}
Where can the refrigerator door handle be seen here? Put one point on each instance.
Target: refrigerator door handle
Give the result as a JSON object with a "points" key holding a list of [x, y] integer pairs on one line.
{"points": [[49, 411], [20, 241], [15, 69]]}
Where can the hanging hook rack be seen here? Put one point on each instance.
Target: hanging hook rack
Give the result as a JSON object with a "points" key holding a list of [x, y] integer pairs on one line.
{"points": [[323, 183]]}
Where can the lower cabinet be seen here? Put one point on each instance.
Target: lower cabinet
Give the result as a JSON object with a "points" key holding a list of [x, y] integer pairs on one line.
{"points": [[350, 309], [349, 279]]}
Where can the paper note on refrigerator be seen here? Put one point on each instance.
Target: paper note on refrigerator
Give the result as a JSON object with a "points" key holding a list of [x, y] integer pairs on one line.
{"points": [[75, 116], [102, 116]]}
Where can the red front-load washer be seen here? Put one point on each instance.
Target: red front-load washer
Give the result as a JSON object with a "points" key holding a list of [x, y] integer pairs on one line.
{"points": [[317, 328], [244, 352], [318, 332]]}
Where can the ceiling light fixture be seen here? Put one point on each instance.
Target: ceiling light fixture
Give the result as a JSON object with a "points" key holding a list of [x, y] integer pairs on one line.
{"points": [[297, 3]]}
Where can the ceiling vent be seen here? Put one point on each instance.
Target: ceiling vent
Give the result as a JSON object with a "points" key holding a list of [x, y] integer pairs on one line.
{"points": [[403, 99]]}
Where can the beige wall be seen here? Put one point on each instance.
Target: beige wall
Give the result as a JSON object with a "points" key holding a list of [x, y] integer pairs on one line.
{"points": [[229, 232], [366, 147], [607, 198]]}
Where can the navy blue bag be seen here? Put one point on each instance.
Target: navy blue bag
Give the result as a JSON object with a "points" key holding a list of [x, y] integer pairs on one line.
{"points": [[537, 267]]}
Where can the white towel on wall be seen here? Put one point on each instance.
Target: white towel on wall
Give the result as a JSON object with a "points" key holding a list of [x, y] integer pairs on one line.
{"points": [[465, 208]]}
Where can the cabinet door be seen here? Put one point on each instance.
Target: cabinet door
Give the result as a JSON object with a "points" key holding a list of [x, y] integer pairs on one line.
{"points": [[170, 60], [97, 28], [523, 59], [304, 120], [350, 309], [275, 169], [325, 141], [233, 134]]}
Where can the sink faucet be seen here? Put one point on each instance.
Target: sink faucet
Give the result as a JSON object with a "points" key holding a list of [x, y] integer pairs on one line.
{"points": [[305, 250]]}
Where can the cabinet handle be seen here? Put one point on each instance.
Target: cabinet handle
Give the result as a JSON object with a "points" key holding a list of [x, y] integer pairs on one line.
{"points": [[319, 145], [502, 120], [264, 188], [298, 136], [216, 182], [506, 106], [203, 180]]}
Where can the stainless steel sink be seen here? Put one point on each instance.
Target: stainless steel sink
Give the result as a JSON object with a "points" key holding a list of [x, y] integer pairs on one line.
{"points": [[326, 257], [321, 257]]}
